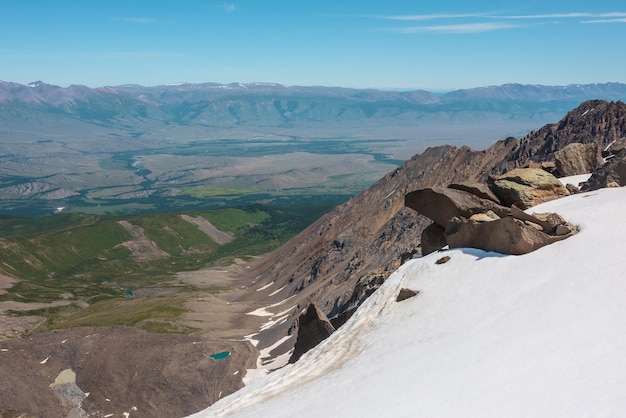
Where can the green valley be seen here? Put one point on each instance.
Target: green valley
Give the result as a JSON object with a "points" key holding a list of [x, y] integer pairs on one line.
{"points": [[105, 270]]}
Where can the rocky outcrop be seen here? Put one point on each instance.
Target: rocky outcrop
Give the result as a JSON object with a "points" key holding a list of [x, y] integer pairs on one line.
{"points": [[594, 121], [433, 238], [506, 235], [614, 148], [372, 231], [362, 290], [480, 190], [441, 204], [611, 174], [405, 294], [313, 328], [469, 221], [576, 159], [527, 187]]}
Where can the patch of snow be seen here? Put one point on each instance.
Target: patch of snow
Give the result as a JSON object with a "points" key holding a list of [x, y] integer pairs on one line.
{"points": [[260, 312], [265, 287], [252, 340], [265, 363], [610, 145], [489, 335], [277, 291], [575, 180], [278, 321], [264, 311]]}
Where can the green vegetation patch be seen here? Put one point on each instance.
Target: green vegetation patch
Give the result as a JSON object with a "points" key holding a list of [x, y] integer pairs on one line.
{"points": [[204, 192], [86, 259], [128, 312]]}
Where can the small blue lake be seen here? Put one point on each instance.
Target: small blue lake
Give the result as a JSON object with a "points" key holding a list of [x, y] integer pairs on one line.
{"points": [[220, 356]]}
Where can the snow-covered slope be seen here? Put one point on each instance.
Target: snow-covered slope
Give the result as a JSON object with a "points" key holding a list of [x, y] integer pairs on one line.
{"points": [[538, 335]]}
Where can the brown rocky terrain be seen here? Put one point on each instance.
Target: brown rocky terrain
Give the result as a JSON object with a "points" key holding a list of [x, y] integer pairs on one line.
{"points": [[370, 233], [367, 237]]}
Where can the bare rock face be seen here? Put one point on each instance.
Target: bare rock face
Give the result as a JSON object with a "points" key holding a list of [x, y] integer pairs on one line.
{"points": [[614, 148], [362, 290], [506, 236], [433, 238], [441, 204], [314, 327], [477, 189], [576, 158], [611, 174], [595, 121], [548, 222], [527, 187]]}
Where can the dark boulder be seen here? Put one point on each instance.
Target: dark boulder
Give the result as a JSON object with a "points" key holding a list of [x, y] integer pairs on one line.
{"points": [[611, 174], [433, 239], [405, 294], [313, 328], [441, 204]]}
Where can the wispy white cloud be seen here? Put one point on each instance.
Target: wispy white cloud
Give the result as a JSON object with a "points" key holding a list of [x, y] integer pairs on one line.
{"points": [[457, 28], [486, 22], [229, 7], [426, 17], [620, 20], [563, 15]]}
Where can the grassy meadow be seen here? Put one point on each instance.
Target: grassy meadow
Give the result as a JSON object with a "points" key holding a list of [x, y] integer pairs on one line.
{"points": [[105, 275]]}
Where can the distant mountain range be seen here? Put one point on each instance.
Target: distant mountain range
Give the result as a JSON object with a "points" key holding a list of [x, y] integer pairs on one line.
{"points": [[142, 111], [89, 148]]}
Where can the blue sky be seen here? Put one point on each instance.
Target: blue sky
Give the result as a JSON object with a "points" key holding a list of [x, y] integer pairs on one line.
{"points": [[383, 44]]}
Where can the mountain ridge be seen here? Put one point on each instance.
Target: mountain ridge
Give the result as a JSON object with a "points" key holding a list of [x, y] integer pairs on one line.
{"points": [[505, 91], [370, 233]]}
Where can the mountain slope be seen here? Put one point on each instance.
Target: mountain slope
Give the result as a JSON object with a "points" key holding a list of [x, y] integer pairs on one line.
{"points": [[370, 233], [487, 336], [368, 236]]}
